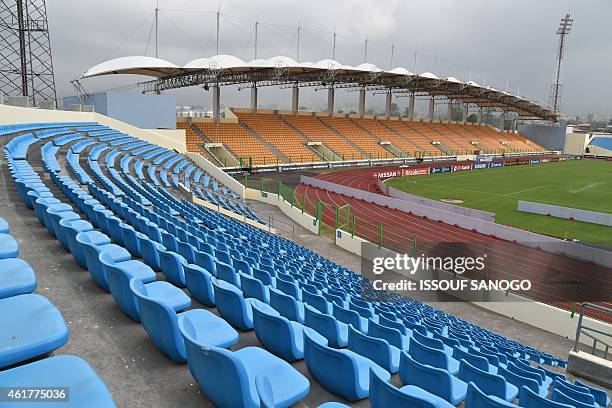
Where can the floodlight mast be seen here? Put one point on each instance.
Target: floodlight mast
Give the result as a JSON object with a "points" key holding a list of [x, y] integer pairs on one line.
{"points": [[555, 90]]}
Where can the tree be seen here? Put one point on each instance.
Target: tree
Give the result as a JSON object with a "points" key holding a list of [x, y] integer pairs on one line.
{"points": [[472, 118]]}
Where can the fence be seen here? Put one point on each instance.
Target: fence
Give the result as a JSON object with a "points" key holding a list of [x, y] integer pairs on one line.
{"points": [[581, 329]]}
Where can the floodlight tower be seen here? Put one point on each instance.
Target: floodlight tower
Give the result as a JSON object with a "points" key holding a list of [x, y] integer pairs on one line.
{"points": [[26, 65], [555, 89]]}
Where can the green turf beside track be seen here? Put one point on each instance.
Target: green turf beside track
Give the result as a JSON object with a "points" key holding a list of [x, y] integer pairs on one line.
{"points": [[584, 184]]}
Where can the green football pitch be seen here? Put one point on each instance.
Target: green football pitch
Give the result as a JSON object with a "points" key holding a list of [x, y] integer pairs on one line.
{"points": [[584, 184]]}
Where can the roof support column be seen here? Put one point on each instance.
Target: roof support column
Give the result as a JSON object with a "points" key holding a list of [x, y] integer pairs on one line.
{"points": [[503, 120], [295, 99], [411, 107], [254, 98], [362, 96], [449, 112], [216, 96], [388, 105], [479, 116], [330, 100], [432, 107], [513, 125], [465, 112]]}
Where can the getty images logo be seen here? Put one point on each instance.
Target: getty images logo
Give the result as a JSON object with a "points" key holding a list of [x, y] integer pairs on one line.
{"points": [[410, 264]]}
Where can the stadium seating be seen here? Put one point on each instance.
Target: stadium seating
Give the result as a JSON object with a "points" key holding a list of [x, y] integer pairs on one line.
{"points": [[342, 372], [289, 285], [86, 389], [478, 399], [491, 384], [16, 278]]}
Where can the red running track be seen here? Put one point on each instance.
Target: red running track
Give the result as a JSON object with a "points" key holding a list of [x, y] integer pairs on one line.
{"points": [[554, 278]]}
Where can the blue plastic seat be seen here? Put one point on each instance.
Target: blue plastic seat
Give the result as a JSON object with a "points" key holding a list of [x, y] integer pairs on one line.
{"points": [[72, 372], [120, 274], [253, 288], [92, 243], [477, 399], [383, 394], [287, 287], [520, 380], [328, 326], [558, 395], [575, 392], [171, 265], [433, 357], [218, 370], [491, 384], [279, 335], [316, 301], [477, 361], [601, 396], [286, 305], [31, 327], [342, 372], [227, 273], [530, 399], [351, 317], [199, 283], [433, 343], [393, 335], [16, 278], [52, 210], [376, 349], [8, 247], [40, 206], [70, 229], [151, 251], [232, 305], [434, 380], [159, 320]]}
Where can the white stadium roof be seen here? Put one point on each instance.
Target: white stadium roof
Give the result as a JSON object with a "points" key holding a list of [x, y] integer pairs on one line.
{"points": [[228, 69]]}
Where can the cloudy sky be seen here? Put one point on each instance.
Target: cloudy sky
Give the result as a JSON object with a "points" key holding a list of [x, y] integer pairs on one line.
{"points": [[504, 43]]}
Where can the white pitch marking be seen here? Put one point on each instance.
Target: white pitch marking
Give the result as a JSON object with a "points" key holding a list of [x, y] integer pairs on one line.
{"points": [[523, 191]]}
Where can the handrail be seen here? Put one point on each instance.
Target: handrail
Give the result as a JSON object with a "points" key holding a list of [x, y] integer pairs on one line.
{"points": [[580, 328]]}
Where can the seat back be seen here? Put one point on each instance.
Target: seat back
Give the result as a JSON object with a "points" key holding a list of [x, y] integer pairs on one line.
{"points": [[253, 288], [242, 266], [390, 334], [273, 330], [347, 316], [216, 370], [531, 399], [559, 396], [427, 355], [574, 392], [316, 301], [171, 265], [518, 379], [434, 380], [601, 397], [477, 361], [160, 322], [428, 341], [491, 384], [186, 251], [199, 282], [286, 305], [331, 367], [227, 273], [477, 399], [383, 394], [289, 288], [263, 276], [231, 304], [324, 324], [374, 348], [206, 261]]}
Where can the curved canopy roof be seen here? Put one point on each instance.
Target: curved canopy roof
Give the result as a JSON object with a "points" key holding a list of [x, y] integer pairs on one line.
{"points": [[279, 70]]}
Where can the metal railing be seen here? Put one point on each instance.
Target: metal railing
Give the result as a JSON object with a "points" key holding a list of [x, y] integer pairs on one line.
{"points": [[580, 328]]}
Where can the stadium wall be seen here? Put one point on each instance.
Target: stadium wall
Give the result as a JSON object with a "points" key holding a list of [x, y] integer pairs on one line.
{"points": [[531, 239], [468, 212], [551, 137], [568, 213], [543, 316], [147, 111]]}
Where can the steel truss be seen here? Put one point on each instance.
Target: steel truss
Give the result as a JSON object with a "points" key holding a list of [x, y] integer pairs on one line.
{"points": [[26, 64]]}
